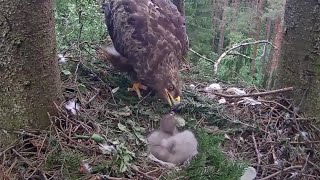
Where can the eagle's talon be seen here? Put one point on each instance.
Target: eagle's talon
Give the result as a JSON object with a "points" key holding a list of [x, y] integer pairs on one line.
{"points": [[136, 87]]}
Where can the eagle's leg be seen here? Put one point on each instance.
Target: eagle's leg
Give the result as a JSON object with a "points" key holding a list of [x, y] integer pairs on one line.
{"points": [[136, 87]]}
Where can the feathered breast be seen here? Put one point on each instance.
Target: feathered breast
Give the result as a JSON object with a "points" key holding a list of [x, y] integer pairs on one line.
{"points": [[150, 33]]}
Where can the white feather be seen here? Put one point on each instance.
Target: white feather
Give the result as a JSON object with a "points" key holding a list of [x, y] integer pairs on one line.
{"points": [[249, 174], [113, 51]]}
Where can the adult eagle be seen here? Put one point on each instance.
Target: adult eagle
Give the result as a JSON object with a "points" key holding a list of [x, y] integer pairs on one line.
{"points": [[149, 42]]}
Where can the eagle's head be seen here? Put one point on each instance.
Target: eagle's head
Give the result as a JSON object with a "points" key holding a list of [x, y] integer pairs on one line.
{"points": [[168, 86]]}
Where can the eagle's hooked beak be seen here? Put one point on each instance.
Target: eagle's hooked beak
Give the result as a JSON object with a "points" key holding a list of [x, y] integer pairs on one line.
{"points": [[171, 100]]}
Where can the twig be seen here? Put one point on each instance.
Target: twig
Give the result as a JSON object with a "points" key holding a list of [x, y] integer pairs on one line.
{"points": [[256, 148], [135, 168], [306, 142], [22, 158], [276, 173], [278, 105], [196, 53], [305, 165], [313, 164], [12, 145], [242, 55], [115, 178], [216, 64], [255, 94]]}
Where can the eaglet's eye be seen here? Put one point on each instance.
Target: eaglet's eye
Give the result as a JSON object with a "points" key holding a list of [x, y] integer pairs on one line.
{"points": [[170, 87]]}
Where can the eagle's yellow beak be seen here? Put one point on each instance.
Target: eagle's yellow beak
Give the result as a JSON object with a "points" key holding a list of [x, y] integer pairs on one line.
{"points": [[172, 101]]}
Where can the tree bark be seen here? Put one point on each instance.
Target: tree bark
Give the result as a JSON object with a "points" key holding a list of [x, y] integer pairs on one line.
{"points": [[235, 11], [266, 53], [217, 11], [29, 76], [300, 63], [257, 37], [268, 34], [222, 28], [276, 55]]}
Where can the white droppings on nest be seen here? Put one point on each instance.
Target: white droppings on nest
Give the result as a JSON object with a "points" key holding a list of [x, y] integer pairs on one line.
{"points": [[180, 121], [105, 148], [222, 101], [249, 174], [236, 91], [249, 101], [192, 86], [305, 135], [72, 106], [62, 59], [213, 87], [86, 168]]}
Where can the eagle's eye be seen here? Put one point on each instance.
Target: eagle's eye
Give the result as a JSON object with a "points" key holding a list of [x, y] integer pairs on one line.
{"points": [[170, 87]]}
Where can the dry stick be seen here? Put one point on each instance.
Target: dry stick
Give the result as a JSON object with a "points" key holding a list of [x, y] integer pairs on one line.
{"points": [[278, 105], [276, 173], [38, 155], [12, 145], [12, 165], [115, 178], [255, 94], [235, 47], [22, 158], [196, 53], [306, 142], [242, 55], [313, 164], [135, 168], [256, 148], [305, 165]]}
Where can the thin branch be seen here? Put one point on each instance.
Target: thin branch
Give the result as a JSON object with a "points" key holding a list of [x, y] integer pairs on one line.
{"points": [[135, 168], [205, 58], [275, 174], [242, 55], [255, 94], [256, 148], [216, 64]]}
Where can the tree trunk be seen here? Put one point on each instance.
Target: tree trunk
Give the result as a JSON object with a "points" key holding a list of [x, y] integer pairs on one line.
{"points": [[257, 37], [29, 76], [266, 54], [217, 11], [268, 34], [235, 4], [300, 63], [180, 6], [222, 28], [276, 55]]}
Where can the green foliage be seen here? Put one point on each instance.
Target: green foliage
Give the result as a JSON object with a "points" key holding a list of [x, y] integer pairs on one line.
{"points": [[69, 161], [199, 25], [240, 25], [202, 71], [124, 157], [274, 8], [78, 21]]}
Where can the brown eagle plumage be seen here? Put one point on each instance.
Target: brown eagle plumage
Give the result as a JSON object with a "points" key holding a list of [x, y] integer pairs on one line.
{"points": [[149, 42]]}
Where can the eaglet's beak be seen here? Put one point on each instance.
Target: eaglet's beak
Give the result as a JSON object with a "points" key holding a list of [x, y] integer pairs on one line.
{"points": [[171, 100]]}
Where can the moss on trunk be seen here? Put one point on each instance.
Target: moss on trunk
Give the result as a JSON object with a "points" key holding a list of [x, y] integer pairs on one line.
{"points": [[300, 63], [29, 76]]}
